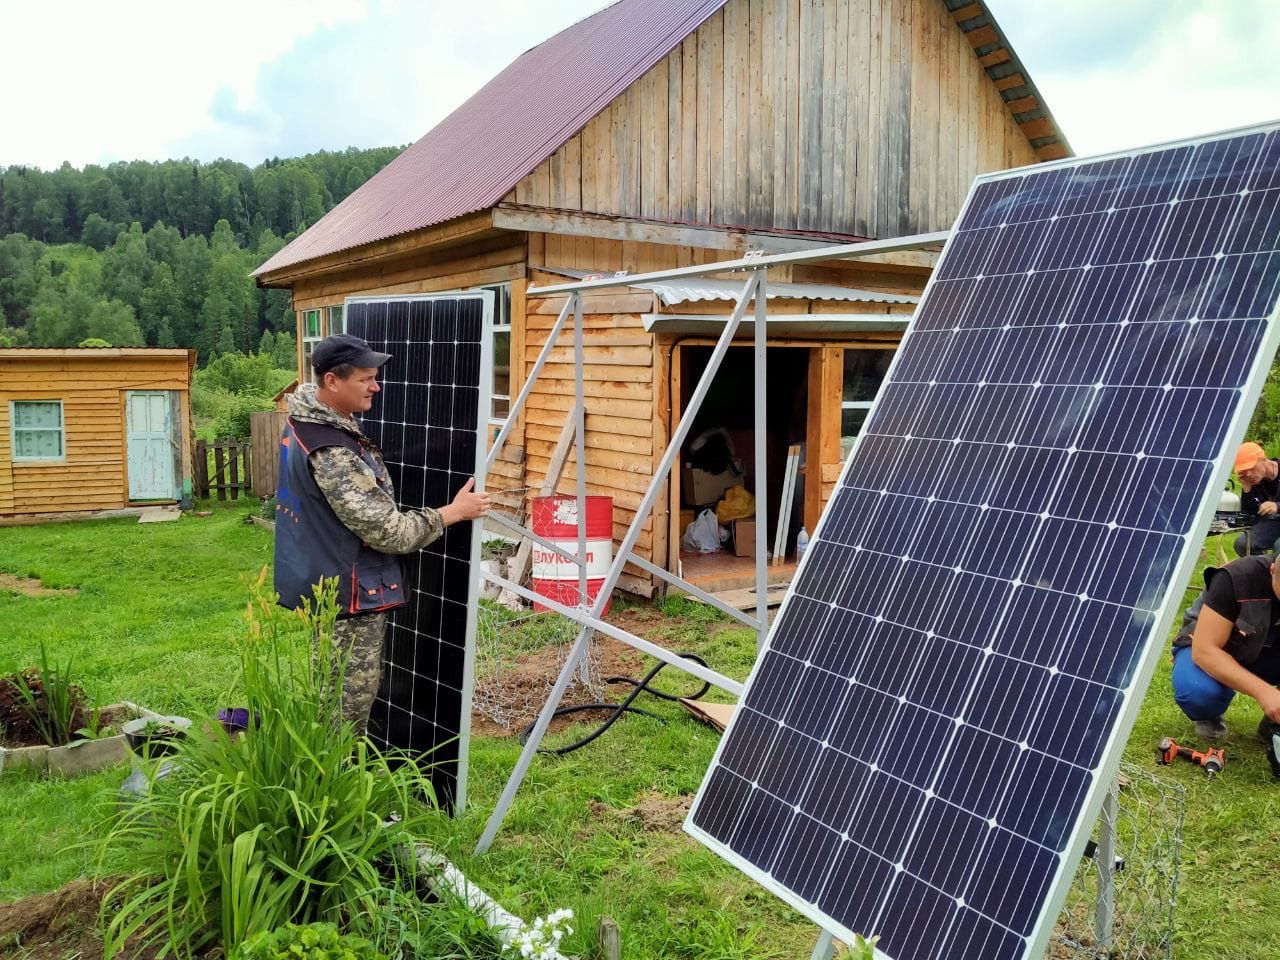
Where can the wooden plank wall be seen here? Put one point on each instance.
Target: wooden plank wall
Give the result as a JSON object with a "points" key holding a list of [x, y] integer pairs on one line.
{"points": [[6, 467], [862, 117], [624, 389], [93, 475]]}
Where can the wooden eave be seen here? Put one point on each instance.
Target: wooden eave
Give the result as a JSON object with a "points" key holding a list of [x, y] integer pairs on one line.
{"points": [[467, 229], [1002, 66]]}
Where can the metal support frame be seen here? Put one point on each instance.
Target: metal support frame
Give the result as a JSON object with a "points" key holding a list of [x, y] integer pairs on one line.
{"points": [[1105, 860], [590, 618]]}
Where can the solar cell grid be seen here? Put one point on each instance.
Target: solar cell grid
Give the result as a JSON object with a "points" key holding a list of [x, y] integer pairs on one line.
{"points": [[426, 419], [930, 727]]}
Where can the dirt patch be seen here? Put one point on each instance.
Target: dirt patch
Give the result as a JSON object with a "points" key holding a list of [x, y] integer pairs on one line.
{"points": [[51, 926], [653, 812], [530, 681], [526, 683], [31, 587]]}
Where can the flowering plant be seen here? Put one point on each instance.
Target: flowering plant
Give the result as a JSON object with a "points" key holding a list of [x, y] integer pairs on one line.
{"points": [[540, 940]]}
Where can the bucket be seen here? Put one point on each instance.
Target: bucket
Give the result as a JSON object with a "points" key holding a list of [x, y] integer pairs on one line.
{"points": [[556, 519]]}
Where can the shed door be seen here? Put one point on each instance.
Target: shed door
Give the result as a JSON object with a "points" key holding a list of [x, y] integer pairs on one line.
{"points": [[152, 441]]}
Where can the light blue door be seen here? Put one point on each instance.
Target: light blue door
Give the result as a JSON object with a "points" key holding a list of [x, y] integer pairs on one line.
{"points": [[152, 442]]}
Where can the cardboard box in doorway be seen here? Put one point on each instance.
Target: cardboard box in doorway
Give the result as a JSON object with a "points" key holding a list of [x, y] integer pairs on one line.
{"points": [[698, 488], [744, 538]]}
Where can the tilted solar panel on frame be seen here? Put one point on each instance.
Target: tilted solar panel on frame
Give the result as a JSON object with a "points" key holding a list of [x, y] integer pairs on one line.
{"points": [[927, 736], [427, 420]]}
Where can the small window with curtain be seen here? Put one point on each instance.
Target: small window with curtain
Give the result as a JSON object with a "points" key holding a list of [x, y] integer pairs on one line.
{"points": [[500, 388], [863, 372], [311, 335], [37, 430]]}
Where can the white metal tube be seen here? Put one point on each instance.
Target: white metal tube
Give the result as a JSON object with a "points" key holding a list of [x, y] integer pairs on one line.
{"points": [[846, 251], [520, 531], [580, 473], [761, 468], [441, 876], [577, 615], [615, 570], [689, 588]]}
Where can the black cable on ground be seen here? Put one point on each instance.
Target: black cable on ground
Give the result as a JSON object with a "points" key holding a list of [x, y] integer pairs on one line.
{"points": [[618, 709]]}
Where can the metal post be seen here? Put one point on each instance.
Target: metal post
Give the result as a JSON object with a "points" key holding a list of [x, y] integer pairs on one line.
{"points": [[1105, 859], [824, 949], [762, 484], [615, 568], [580, 416]]}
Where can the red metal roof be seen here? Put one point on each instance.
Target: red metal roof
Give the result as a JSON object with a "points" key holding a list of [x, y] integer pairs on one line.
{"points": [[476, 155]]}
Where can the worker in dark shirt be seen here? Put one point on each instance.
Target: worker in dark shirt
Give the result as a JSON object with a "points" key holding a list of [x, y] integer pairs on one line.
{"points": [[1230, 643], [1260, 481]]}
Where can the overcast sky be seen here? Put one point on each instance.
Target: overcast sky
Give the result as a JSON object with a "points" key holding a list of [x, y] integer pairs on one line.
{"points": [[93, 82]]}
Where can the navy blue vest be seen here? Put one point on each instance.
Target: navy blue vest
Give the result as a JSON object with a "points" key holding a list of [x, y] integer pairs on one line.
{"points": [[1251, 583], [312, 543]]}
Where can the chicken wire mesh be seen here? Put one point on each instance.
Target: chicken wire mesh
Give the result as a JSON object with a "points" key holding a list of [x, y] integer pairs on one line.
{"points": [[1135, 922], [520, 652]]}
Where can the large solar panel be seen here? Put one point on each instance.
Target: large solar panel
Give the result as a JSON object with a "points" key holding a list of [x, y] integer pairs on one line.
{"points": [[925, 742], [427, 420]]}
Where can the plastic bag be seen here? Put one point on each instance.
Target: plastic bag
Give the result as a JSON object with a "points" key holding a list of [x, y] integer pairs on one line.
{"points": [[703, 535], [736, 505]]}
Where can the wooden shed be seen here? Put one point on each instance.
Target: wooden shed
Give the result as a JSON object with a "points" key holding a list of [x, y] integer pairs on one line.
{"points": [[93, 429], [664, 133]]}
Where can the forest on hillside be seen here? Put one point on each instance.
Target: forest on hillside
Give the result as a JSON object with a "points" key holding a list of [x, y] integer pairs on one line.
{"points": [[160, 254]]}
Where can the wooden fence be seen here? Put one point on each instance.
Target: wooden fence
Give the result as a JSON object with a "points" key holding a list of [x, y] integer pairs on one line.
{"points": [[222, 467], [266, 429]]}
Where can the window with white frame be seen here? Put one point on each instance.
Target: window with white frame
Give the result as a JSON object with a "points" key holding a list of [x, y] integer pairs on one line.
{"points": [[37, 430], [863, 372], [337, 321], [500, 388], [311, 335]]}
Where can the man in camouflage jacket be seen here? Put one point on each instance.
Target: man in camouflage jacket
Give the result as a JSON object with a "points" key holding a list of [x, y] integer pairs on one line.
{"points": [[336, 514]]}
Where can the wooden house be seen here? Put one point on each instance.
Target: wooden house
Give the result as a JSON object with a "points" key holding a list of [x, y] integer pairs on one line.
{"points": [[662, 133], [93, 429]]}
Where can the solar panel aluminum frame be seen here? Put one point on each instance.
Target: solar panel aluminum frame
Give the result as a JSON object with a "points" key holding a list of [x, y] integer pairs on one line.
{"points": [[487, 297], [1154, 644]]}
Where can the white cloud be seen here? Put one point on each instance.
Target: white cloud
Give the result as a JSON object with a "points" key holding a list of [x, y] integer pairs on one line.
{"points": [[1122, 74], [92, 82]]}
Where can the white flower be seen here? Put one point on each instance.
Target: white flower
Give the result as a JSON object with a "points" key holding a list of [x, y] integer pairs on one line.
{"points": [[540, 939]]}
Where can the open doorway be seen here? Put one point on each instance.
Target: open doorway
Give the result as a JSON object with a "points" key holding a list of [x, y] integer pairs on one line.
{"points": [[720, 453]]}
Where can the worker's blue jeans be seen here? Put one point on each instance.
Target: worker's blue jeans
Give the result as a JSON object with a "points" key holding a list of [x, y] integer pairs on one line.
{"points": [[1203, 698]]}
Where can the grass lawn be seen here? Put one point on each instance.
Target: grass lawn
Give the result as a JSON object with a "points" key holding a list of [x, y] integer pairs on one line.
{"points": [[597, 830]]}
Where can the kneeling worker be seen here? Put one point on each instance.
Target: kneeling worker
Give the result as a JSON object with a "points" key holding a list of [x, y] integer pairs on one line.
{"points": [[1228, 644], [1260, 482], [336, 514]]}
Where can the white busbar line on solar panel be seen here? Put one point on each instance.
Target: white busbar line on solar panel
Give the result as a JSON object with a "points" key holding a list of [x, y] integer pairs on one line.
{"points": [[1139, 677]]}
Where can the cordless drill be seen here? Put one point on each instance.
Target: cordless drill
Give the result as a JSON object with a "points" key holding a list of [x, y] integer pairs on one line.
{"points": [[1212, 760]]}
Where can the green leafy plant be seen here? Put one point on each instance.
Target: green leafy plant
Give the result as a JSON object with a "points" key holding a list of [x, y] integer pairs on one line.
{"points": [[94, 729], [52, 704], [312, 941], [298, 823]]}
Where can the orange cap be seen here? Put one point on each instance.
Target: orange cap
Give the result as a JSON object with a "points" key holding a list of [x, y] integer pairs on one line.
{"points": [[1248, 456]]}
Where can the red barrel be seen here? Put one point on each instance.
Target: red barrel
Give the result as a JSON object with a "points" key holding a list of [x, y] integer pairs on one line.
{"points": [[556, 519]]}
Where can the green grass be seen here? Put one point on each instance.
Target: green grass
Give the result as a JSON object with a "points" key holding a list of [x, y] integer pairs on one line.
{"points": [[596, 830]]}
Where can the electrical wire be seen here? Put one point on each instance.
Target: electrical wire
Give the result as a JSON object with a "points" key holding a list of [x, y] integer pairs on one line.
{"points": [[618, 709]]}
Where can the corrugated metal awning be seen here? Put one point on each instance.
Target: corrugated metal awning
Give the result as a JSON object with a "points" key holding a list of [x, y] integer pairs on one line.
{"points": [[778, 326], [693, 289], [704, 288]]}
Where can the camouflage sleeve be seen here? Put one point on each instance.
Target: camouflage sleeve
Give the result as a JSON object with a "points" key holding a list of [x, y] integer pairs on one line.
{"points": [[366, 509]]}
